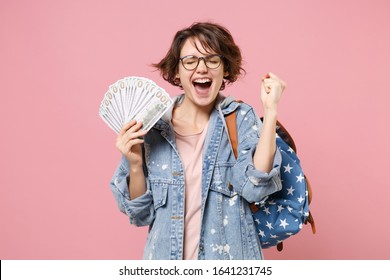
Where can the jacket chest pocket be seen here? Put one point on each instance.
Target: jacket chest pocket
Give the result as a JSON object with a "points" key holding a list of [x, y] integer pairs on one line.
{"points": [[160, 193], [221, 179]]}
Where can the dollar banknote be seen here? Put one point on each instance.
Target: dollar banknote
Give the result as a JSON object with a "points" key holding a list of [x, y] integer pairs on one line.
{"points": [[134, 98]]}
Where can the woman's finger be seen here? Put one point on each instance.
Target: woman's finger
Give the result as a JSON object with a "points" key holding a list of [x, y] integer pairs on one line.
{"points": [[134, 135], [136, 127], [273, 80], [127, 126], [266, 87], [132, 129], [132, 143]]}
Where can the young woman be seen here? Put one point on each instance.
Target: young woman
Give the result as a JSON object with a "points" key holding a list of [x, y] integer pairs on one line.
{"points": [[181, 178]]}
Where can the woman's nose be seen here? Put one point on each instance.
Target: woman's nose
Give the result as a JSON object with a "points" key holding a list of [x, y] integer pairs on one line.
{"points": [[201, 66]]}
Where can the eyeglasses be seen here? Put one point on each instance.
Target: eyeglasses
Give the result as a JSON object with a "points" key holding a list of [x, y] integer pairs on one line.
{"points": [[190, 62]]}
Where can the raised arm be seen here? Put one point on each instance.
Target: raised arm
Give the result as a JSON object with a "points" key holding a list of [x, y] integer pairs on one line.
{"points": [[272, 88]]}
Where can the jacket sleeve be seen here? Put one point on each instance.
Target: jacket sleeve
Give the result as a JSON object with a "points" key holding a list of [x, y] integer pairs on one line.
{"points": [[140, 210], [252, 184]]}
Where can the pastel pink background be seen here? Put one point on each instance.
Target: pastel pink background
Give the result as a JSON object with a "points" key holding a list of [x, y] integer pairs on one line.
{"points": [[57, 156]]}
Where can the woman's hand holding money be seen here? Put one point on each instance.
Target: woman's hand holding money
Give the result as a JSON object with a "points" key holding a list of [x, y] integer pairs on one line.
{"points": [[129, 141]]}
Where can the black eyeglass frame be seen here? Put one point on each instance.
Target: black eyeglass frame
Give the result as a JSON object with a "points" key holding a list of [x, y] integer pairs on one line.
{"points": [[204, 58]]}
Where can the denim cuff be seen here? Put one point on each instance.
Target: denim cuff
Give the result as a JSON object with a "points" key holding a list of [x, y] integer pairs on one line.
{"points": [[258, 177], [140, 210], [252, 184]]}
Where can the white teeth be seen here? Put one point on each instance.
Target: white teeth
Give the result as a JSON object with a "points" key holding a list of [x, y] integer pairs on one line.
{"points": [[202, 81]]}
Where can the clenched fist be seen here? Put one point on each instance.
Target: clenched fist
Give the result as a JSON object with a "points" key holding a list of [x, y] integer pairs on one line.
{"points": [[271, 91]]}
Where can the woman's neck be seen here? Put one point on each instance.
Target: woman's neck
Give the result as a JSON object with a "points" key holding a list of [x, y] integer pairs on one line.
{"points": [[189, 119]]}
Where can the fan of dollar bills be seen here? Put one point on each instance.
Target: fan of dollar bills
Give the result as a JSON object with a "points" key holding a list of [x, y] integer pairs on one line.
{"points": [[134, 98]]}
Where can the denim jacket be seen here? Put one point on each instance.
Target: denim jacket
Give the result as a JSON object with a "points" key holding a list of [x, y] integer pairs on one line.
{"points": [[228, 186]]}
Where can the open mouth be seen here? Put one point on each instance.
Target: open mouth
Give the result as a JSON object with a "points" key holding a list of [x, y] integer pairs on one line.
{"points": [[202, 84]]}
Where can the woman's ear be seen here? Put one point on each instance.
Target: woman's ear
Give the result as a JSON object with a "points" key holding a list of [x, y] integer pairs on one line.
{"points": [[177, 80], [225, 74]]}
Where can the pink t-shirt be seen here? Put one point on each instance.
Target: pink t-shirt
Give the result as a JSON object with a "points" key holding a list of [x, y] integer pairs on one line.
{"points": [[191, 153]]}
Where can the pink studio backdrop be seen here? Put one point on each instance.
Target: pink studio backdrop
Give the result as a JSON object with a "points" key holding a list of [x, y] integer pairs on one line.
{"points": [[57, 59]]}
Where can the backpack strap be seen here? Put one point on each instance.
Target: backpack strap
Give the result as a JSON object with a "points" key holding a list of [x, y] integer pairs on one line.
{"points": [[310, 219], [232, 131]]}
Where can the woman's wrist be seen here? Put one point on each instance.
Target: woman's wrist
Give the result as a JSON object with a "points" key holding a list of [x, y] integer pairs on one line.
{"points": [[136, 168], [270, 113]]}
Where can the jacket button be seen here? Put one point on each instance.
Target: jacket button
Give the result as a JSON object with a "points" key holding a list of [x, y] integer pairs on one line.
{"points": [[230, 187]]}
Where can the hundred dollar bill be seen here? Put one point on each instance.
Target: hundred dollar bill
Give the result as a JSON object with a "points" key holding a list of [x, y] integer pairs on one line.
{"points": [[154, 109], [109, 110], [134, 98]]}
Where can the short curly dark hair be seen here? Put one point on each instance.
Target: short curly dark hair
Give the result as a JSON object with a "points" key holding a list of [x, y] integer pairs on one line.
{"points": [[212, 36]]}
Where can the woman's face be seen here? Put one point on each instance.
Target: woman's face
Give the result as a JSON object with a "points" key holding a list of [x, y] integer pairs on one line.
{"points": [[201, 85]]}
